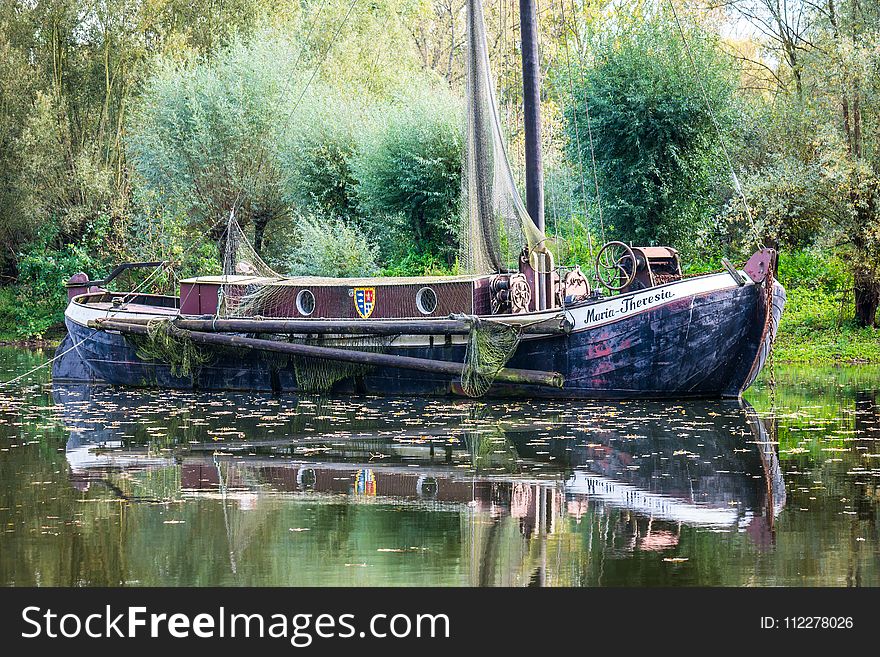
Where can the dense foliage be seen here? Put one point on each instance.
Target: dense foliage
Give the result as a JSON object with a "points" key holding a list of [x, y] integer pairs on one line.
{"points": [[130, 130], [653, 114], [410, 166], [203, 138]]}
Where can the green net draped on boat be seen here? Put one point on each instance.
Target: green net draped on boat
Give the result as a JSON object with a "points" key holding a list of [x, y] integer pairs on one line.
{"points": [[490, 346], [241, 259], [495, 225], [320, 374], [165, 343]]}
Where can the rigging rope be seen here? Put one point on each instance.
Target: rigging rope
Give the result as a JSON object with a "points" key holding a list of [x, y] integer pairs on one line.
{"points": [[590, 135], [113, 313], [736, 184], [240, 196], [4, 384], [577, 134], [592, 149], [324, 56]]}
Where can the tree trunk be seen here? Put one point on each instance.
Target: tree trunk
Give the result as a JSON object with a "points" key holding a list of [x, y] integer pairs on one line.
{"points": [[867, 296], [219, 237], [419, 228], [260, 221]]}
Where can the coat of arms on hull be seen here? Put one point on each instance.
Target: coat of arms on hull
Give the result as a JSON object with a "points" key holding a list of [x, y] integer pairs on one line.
{"points": [[364, 301]]}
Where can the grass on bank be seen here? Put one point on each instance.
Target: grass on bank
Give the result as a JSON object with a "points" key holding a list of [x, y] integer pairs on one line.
{"points": [[26, 319], [817, 326]]}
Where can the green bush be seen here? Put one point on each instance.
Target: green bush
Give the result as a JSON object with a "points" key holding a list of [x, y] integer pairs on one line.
{"points": [[410, 167], [204, 135], [317, 148], [807, 268], [418, 263], [331, 247], [658, 159], [36, 303]]}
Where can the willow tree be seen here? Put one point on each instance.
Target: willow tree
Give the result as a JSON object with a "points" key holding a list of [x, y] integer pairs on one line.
{"points": [[830, 87], [660, 168], [203, 138], [848, 69], [69, 72]]}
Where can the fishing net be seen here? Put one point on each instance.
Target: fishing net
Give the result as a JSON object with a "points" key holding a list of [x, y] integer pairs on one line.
{"points": [[490, 346], [495, 224], [246, 297], [274, 360], [320, 375], [165, 343]]}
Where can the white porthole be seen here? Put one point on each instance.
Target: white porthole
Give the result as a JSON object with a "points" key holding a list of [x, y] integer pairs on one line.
{"points": [[427, 487], [305, 302], [426, 300], [306, 479]]}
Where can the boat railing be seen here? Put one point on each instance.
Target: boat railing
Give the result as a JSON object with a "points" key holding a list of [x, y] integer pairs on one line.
{"points": [[79, 283]]}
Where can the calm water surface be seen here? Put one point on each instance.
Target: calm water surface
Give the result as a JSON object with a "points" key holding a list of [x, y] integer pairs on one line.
{"points": [[104, 486]]}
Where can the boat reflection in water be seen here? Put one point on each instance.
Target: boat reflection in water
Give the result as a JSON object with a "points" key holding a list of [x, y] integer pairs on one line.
{"points": [[641, 473]]}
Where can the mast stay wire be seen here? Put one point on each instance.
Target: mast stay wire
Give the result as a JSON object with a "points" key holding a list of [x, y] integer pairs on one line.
{"points": [[578, 136], [736, 183], [550, 135], [590, 135], [239, 197], [323, 56]]}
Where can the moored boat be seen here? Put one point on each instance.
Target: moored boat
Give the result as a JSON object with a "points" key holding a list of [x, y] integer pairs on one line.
{"points": [[705, 336], [526, 328]]}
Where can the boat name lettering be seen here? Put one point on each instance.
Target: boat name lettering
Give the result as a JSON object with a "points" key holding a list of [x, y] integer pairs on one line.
{"points": [[627, 305]]}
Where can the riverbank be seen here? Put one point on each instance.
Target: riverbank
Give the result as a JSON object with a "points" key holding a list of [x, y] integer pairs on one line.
{"points": [[846, 345], [33, 343], [28, 323], [817, 327]]}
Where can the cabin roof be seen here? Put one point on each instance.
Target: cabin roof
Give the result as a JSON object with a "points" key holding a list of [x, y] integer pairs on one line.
{"points": [[657, 251], [321, 281]]}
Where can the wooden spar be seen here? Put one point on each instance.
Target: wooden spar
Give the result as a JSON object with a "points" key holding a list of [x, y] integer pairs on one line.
{"points": [[532, 111], [508, 375], [553, 326]]}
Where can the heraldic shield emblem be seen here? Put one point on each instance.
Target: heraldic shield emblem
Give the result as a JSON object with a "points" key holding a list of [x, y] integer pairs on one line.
{"points": [[364, 300]]}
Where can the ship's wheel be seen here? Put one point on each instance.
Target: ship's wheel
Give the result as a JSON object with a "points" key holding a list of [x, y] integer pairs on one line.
{"points": [[616, 265]]}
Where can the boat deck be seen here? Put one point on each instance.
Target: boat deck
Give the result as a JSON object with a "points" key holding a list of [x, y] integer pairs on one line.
{"points": [[324, 281], [139, 308]]}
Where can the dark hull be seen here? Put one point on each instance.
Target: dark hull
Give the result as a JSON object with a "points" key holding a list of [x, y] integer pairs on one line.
{"points": [[705, 345]]}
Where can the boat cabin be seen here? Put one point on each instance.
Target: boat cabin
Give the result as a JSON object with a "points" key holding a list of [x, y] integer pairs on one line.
{"points": [[528, 290], [342, 298]]}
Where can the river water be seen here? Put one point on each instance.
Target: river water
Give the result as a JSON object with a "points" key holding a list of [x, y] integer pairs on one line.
{"points": [[103, 486]]}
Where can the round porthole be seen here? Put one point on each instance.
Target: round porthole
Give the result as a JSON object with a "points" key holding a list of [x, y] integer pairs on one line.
{"points": [[305, 302], [426, 487], [306, 479], [426, 301]]}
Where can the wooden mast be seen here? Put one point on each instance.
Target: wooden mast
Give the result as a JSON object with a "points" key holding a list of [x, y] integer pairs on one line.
{"points": [[532, 111]]}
